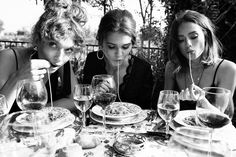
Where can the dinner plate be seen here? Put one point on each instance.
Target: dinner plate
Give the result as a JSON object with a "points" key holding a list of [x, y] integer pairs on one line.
{"points": [[50, 120], [186, 118], [136, 119], [118, 110]]}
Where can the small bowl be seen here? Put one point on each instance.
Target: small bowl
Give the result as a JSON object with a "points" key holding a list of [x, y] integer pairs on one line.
{"points": [[128, 143]]}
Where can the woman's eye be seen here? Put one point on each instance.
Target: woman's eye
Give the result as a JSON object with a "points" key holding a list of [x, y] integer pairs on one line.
{"points": [[194, 36], [52, 44], [125, 47], [111, 47], [69, 51]]}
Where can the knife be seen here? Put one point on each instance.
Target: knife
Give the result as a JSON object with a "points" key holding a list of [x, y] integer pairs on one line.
{"points": [[149, 133]]}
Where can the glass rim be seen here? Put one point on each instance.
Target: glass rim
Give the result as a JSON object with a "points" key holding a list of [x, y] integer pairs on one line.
{"points": [[169, 91], [83, 84], [102, 75], [222, 90]]}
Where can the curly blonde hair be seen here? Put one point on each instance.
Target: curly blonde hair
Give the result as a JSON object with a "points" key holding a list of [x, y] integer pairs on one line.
{"points": [[61, 19]]}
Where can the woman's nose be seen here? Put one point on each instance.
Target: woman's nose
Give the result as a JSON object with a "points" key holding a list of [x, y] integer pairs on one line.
{"points": [[188, 43], [119, 52], [60, 54]]}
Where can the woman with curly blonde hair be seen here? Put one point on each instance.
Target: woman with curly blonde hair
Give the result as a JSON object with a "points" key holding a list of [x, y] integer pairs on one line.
{"points": [[54, 37]]}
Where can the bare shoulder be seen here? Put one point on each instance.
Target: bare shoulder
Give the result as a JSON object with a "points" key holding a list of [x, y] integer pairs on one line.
{"points": [[228, 66]]}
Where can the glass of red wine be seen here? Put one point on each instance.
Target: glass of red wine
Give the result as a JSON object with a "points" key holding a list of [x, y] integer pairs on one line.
{"points": [[104, 93], [215, 110]]}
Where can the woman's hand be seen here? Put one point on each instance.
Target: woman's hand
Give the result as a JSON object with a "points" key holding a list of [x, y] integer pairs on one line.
{"points": [[34, 69], [192, 93], [103, 87]]}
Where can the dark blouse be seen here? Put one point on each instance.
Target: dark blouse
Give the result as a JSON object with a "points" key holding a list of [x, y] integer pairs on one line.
{"points": [[59, 90], [137, 83]]}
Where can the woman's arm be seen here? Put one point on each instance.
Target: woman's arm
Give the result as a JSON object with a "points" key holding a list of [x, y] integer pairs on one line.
{"points": [[226, 76], [9, 75]]}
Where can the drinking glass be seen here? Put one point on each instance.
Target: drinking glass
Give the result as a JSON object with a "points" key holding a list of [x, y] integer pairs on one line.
{"points": [[215, 110], [3, 107], [82, 95], [104, 89], [31, 94], [167, 108], [194, 142]]}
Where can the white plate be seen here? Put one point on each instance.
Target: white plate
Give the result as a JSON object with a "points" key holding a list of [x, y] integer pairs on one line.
{"points": [[134, 110], [186, 118], [136, 119], [59, 118]]}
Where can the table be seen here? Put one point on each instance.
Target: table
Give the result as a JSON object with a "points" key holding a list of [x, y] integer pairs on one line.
{"points": [[151, 147]]}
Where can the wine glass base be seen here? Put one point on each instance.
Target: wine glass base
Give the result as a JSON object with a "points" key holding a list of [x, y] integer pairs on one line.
{"points": [[163, 140]]}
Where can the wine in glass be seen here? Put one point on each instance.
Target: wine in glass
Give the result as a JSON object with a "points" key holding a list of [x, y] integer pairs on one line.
{"points": [[104, 89], [167, 108], [31, 94], [215, 110], [82, 95]]}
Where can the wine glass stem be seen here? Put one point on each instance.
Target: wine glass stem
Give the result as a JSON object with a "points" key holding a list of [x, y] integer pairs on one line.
{"points": [[104, 124], [210, 142], [167, 128], [83, 119]]}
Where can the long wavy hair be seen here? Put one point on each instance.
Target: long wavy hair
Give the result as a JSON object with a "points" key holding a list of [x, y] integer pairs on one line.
{"points": [[117, 20], [213, 47], [61, 19]]}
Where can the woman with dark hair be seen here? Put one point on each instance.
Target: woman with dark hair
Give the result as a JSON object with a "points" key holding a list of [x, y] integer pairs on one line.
{"points": [[194, 57], [54, 37], [116, 36]]}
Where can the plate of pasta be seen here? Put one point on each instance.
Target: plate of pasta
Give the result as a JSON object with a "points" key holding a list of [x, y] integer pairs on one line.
{"points": [[118, 110]]}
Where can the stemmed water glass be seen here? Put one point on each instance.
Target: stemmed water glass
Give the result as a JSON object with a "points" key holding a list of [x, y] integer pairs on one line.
{"points": [[31, 94], [215, 110], [104, 88], [82, 96], [167, 108]]}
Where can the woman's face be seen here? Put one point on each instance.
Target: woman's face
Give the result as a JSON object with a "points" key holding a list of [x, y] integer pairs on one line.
{"points": [[116, 47], [56, 52], [191, 40]]}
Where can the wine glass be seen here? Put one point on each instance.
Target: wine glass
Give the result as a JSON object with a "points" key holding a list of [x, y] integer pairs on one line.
{"points": [[31, 94], [104, 89], [167, 108], [82, 95], [194, 142], [215, 110], [3, 107]]}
